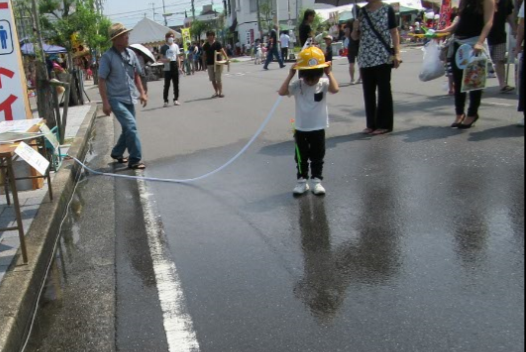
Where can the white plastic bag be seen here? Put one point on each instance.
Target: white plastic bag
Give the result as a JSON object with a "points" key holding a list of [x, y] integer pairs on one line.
{"points": [[432, 67]]}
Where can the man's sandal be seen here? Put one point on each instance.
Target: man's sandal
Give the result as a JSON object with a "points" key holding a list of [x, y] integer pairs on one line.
{"points": [[139, 166], [120, 160]]}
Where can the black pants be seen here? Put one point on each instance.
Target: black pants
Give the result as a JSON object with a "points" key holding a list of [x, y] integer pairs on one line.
{"points": [[171, 76], [284, 54], [475, 97], [311, 148], [378, 109]]}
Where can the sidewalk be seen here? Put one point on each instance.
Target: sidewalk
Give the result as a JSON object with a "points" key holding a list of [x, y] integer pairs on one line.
{"points": [[30, 201]]}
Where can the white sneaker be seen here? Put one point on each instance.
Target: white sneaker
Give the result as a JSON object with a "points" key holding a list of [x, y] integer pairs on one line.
{"points": [[521, 123], [165, 105], [177, 103], [318, 189], [302, 187]]}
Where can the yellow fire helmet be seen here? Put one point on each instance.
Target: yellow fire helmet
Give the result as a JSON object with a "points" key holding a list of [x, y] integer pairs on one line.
{"points": [[311, 58]]}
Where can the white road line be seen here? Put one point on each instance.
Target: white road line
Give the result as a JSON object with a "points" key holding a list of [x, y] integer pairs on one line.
{"points": [[178, 324]]}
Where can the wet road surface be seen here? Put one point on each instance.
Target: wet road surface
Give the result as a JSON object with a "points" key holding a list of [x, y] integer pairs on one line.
{"points": [[418, 245]]}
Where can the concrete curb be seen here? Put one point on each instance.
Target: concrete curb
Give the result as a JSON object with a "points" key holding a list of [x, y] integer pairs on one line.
{"points": [[20, 287]]}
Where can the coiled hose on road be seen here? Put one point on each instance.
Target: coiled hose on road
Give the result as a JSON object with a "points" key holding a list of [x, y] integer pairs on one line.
{"points": [[163, 180]]}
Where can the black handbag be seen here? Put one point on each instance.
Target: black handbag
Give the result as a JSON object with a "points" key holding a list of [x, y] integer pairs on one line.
{"points": [[380, 37]]}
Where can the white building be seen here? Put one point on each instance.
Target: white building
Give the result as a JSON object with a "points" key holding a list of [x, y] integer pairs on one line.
{"points": [[242, 15]]}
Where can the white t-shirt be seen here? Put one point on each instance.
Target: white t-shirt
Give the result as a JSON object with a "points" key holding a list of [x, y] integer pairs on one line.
{"points": [[172, 53], [285, 41], [312, 112]]}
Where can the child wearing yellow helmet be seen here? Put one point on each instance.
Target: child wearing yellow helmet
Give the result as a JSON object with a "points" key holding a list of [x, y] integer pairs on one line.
{"points": [[312, 115]]}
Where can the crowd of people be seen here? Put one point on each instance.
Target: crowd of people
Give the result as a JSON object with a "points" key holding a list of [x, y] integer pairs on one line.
{"points": [[374, 45]]}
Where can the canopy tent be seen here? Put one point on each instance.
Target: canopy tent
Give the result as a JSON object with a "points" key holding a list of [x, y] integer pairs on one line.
{"points": [[345, 12], [29, 49], [150, 32]]}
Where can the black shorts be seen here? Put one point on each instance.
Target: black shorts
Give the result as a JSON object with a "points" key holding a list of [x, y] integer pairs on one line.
{"points": [[352, 59]]}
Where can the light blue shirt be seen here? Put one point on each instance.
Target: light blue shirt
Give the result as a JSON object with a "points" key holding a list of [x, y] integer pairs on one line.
{"points": [[118, 69]]}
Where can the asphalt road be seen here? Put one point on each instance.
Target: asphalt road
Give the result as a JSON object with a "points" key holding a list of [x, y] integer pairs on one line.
{"points": [[418, 245]]}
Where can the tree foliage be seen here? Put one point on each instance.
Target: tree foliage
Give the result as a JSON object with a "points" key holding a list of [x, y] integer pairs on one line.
{"points": [[92, 27], [266, 15], [199, 27]]}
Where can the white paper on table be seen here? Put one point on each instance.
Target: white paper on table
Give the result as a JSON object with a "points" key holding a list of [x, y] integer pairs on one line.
{"points": [[18, 125], [32, 157]]}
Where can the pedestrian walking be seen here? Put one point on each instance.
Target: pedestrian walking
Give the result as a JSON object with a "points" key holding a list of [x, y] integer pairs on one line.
{"points": [[498, 39], [305, 29], [284, 41], [352, 53], [121, 88], [472, 27], [379, 53], [170, 56], [328, 48], [215, 72], [519, 52], [273, 49], [312, 115]]}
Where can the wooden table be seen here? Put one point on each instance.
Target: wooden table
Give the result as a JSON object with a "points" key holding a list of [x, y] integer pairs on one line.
{"points": [[7, 157]]}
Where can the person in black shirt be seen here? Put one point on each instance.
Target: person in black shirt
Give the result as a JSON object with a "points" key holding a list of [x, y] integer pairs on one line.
{"points": [[305, 27], [473, 25], [210, 49], [498, 39], [273, 49]]}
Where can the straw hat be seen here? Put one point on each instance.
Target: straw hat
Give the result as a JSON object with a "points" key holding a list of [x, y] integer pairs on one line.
{"points": [[116, 30], [329, 37]]}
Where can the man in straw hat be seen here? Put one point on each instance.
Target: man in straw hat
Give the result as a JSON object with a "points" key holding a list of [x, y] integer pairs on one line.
{"points": [[121, 88], [312, 115]]}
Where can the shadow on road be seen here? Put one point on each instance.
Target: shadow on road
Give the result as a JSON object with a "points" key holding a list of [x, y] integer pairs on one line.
{"points": [[498, 132]]}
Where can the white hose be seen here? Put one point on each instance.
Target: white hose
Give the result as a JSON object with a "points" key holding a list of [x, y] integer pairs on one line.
{"points": [[152, 179]]}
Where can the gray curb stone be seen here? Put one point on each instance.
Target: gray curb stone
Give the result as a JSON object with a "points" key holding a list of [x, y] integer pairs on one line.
{"points": [[21, 284]]}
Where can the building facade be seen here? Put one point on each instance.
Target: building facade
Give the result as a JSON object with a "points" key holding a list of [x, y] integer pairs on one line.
{"points": [[242, 16]]}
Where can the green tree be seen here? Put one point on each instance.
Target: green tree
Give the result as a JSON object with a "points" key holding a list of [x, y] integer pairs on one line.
{"points": [[199, 27], [266, 13], [58, 21]]}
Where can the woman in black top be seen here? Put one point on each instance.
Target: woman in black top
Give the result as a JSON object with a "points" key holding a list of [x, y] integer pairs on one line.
{"points": [[472, 26], [305, 27]]}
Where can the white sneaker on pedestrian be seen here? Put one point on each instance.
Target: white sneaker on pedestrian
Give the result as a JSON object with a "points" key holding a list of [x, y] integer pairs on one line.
{"points": [[177, 103], [521, 123], [165, 105], [302, 187], [317, 188]]}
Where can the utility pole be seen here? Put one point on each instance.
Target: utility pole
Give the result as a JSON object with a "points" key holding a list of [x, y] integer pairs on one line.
{"points": [[164, 14], [193, 10], [153, 10]]}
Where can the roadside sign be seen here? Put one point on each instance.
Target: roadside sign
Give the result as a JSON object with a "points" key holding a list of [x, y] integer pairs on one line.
{"points": [[32, 157], [14, 103]]}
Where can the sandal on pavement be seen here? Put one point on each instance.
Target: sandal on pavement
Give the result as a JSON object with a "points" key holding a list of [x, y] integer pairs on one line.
{"points": [[139, 166], [380, 132], [220, 95], [507, 89], [120, 160], [368, 131]]}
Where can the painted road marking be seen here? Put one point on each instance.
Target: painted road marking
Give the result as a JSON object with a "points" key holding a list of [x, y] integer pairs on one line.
{"points": [[178, 324]]}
